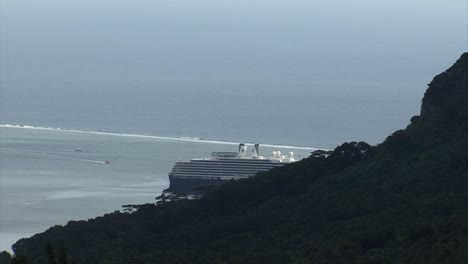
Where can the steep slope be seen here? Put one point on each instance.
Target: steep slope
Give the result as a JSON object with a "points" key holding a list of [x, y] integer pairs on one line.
{"points": [[402, 201], [447, 95]]}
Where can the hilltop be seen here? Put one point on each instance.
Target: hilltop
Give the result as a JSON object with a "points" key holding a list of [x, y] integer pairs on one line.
{"points": [[402, 201]]}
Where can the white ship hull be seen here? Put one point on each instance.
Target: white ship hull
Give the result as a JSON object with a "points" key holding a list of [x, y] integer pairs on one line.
{"points": [[198, 175]]}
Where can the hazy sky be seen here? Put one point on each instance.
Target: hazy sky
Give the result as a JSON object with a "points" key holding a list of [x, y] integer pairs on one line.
{"points": [[357, 69], [189, 38]]}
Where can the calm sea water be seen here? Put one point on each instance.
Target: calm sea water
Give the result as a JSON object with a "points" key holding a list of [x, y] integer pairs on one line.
{"points": [[45, 182], [321, 114], [302, 73]]}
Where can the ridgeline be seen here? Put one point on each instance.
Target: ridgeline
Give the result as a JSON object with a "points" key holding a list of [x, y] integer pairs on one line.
{"points": [[402, 201]]}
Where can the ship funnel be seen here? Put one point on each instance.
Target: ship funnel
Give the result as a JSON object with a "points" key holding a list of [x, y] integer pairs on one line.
{"points": [[257, 149], [240, 147], [242, 150], [255, 152]]}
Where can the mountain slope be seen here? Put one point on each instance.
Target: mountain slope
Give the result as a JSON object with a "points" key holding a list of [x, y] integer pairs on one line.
{"points": [[402, 201]]}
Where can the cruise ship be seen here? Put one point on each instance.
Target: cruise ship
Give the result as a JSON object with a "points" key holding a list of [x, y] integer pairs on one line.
{"points": [[200, 174]]}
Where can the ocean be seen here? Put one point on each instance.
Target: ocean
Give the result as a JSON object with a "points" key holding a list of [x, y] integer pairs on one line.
{"points": [[144, 84], [51, 176], [144, 126]]}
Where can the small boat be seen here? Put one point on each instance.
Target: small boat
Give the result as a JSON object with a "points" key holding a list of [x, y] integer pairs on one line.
{"points": [[107, 162], [78, 150]]}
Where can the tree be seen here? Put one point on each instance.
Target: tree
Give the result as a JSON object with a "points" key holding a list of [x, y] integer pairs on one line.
{"points": [[63, 259], [5, 257], [50, 253]]}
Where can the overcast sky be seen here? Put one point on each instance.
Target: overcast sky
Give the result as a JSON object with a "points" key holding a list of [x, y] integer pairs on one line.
{"points": [[197, 37]]}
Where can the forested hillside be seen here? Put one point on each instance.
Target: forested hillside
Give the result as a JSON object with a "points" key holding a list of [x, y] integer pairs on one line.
{"points": [[402, 201]]}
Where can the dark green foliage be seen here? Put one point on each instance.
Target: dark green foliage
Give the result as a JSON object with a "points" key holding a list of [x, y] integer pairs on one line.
{"points": [[50, 253], [5, 257], [447, 95], [18, 260], [403, 201], [62, 257]]}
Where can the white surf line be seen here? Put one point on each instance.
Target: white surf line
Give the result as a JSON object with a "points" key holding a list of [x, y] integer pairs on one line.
{"points": [[183, 139]]}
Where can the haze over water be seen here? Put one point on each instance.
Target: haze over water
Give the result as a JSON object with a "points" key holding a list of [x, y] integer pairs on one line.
{"points": [[298, 73], [292, 72]]}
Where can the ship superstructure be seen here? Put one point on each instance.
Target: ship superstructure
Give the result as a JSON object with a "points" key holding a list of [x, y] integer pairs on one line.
{"points": [[201, 173]]}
